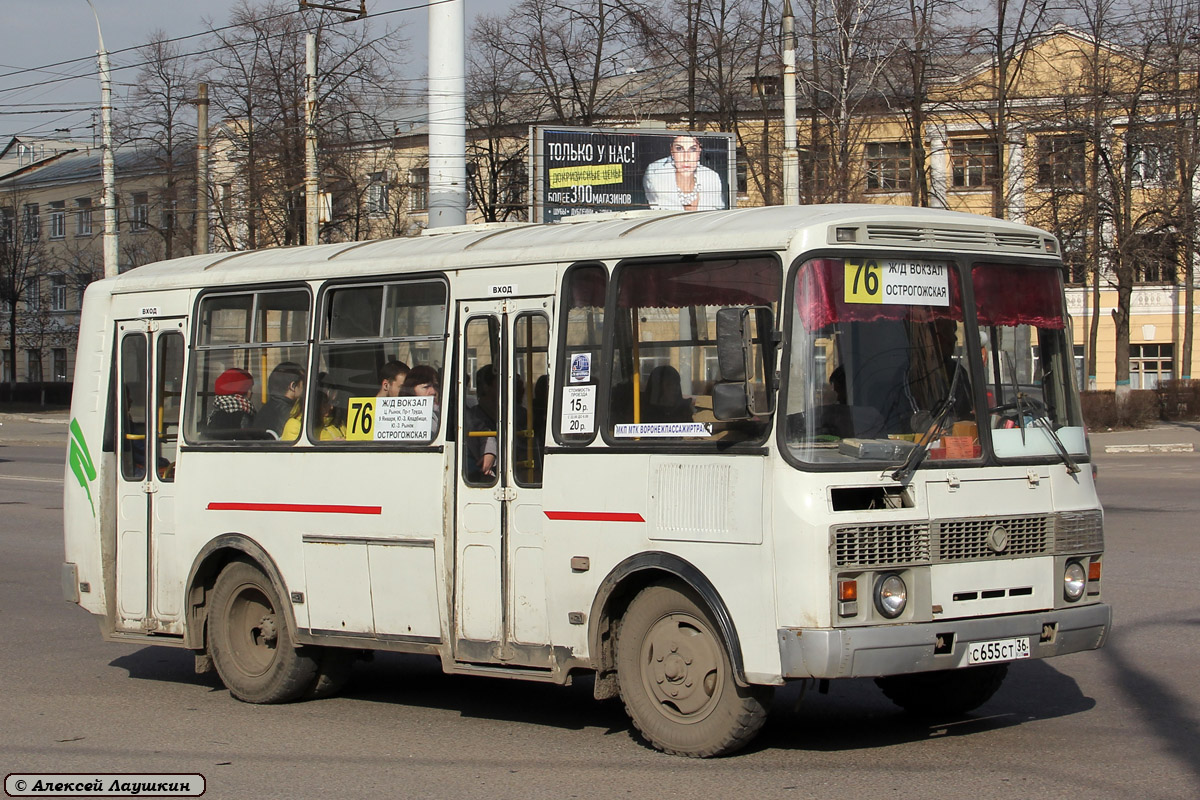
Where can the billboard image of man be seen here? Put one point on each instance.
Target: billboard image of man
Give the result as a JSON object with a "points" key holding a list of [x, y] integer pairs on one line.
{"points": [[680, 182]]}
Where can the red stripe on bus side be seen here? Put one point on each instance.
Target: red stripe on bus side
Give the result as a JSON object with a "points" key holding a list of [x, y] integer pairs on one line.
{"points": [[594, 516], [302, 508]]}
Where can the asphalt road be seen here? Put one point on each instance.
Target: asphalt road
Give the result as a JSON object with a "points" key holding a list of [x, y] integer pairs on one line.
{"points": [[1118, 723]]}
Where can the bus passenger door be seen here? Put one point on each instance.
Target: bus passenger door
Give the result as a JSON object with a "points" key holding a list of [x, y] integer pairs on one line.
{"points": [[149, 380], [500, 597]]}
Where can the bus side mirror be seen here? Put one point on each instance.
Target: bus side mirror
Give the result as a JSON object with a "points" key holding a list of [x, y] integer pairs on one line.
{"points": [[746, 342]]}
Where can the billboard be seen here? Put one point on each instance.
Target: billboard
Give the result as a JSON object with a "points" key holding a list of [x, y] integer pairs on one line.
{"points": [[590, 170]]}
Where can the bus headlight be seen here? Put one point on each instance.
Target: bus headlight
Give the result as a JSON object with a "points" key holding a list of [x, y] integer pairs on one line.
{"points": [[891, 595], [1074, 581]]}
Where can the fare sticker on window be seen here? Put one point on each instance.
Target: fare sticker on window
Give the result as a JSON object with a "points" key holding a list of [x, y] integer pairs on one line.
{"points": [[390, 419], [897, 282], [578, 410]]}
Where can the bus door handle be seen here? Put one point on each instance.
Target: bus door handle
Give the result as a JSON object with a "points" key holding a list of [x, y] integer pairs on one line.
{"points": [[504, 493]]}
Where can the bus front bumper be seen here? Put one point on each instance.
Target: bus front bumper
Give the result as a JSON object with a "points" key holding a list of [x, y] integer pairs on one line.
{"points": [[924, 646]]}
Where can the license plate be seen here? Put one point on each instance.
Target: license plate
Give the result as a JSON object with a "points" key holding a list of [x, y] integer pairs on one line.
{"points": [[997, 650]]}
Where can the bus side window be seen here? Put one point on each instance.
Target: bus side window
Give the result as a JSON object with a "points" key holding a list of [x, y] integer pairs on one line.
{"points": [[530, 385], [581, 340], [241, 338]]}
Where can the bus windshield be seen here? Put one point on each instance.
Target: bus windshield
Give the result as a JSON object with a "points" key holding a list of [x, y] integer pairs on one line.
{"points": [[882, 361]]}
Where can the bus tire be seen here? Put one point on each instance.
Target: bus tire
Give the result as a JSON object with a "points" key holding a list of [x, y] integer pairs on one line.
{"points": [[249, 640], [334, 665], [944, 693], [676, 678]]}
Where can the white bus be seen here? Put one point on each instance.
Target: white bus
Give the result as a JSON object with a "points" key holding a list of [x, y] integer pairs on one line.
{"points": [[697, 454]]}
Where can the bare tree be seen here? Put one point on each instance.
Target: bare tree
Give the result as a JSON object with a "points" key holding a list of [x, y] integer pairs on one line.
{"points": [[22, 256], [257, 71], [849, 43], [160, 124]]}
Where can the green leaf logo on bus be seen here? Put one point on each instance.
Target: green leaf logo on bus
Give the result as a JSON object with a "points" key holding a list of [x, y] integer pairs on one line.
{"points": [[81, 462]]}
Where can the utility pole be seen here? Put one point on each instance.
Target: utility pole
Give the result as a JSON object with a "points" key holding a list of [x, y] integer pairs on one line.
{"points": [[312, 220], [312, 182], [108, 171], [202, 169], [791, 158], [447, 115]]}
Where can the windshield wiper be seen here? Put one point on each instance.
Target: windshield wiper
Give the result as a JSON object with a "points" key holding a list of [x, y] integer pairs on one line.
{"points": [[915, 456], [1042, 417]]}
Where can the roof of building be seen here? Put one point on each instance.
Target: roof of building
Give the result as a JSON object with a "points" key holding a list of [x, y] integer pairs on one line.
{"points": [[623, 235], [78, 166]]}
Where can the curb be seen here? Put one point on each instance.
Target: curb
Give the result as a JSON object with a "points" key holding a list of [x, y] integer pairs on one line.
{"points": [[1178, 447]]}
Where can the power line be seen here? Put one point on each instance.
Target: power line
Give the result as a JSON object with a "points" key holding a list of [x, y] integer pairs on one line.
{"points": [[92, 74]]}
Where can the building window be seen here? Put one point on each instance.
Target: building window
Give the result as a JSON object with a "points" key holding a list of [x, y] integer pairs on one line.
{"points": [[514, 179], [33, 297], [58, 292], [33, 361], [377, 195], [1151, 159], [1061, 160], [58, 220], [83, 216], [889, 166], [766, 85], [139, 218], [33, 222], [418, 189], [1155, 257], [60, 364], [7, 224], [973, 163], [1150, 365], [5, 367]]}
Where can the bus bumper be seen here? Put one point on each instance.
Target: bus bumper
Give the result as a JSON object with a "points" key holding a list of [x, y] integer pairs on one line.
{"points": [[897, 649]]}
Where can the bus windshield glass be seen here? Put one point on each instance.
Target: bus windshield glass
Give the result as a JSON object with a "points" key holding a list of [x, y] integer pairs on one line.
{"points": [[1033, 404], [877, 350], [881, 363]]}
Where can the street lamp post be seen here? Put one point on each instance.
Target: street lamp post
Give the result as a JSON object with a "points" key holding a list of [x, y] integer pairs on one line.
{"points": [[108, 167]]}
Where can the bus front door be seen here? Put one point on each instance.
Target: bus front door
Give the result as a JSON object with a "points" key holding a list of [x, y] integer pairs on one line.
{"points": [[149, 586], [500, 614]]}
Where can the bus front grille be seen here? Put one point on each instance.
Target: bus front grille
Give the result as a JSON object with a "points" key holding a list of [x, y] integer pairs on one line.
{"points": [[972, 539], [876, 545], [1079, 532], [992, 537]]}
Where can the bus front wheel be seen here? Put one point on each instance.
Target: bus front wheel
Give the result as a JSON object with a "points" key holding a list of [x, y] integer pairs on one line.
{"points": [[676, 678], [950, 692], [249, 639]]}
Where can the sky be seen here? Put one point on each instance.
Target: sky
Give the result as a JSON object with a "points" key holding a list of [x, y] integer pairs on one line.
{"points": [[48, 103]]}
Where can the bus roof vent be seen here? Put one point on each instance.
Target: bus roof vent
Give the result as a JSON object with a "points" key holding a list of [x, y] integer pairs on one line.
{"points": [[971, 238]]}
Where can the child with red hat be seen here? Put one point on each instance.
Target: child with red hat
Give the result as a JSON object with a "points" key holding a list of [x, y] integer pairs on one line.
{"points": [[231, 407]]}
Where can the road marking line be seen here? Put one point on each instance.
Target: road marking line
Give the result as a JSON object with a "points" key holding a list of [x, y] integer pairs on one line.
{"points": [[30, 480]]}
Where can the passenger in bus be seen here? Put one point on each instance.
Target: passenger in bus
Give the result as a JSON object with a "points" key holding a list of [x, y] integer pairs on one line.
{"points": [[663, 398], [391, 378], [937, 376], [231, 409], [285, 393], [423, 381], [483, 451], [331, 417]]}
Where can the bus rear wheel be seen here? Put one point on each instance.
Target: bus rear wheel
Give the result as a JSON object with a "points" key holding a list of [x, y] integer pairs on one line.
{"points": [[949, 692], [676, 678], [249, 639]]}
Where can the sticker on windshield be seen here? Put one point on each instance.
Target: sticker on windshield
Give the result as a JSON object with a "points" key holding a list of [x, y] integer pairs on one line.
{"points": [[898, 282]]}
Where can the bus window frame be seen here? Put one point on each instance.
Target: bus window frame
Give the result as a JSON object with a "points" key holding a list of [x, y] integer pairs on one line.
{"points": [[563, 380], [754, 446], [445, 418], [195, 348]]}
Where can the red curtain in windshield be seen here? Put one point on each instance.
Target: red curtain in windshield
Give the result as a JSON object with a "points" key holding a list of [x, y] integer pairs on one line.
{"points": [[1012, 295], [821, 299]]}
